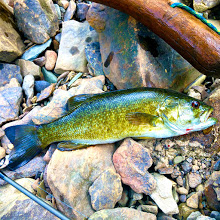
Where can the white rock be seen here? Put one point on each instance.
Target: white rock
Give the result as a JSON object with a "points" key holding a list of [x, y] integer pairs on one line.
{"points": [[28, 86], [75, 36], [162, 195]]}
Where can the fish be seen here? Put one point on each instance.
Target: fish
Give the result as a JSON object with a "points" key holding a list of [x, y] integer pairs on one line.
{"points": [[110, 117]]}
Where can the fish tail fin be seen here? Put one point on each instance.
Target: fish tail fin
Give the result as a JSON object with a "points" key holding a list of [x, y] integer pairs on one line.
{"points": [[26, 144]]}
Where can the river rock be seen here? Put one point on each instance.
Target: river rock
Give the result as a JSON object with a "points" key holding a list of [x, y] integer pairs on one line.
{"points": [[81, 11], [215, 215], [41, 85], [194, 215], [33, 52], [162, 196], [40, 61], [10, 99], [194, 180], [71, 56], [193, 201], [15, 205], [37, 30], [70, 180], [106, 190], [28, 87], [122, 214], [2, 153], [46, 92], [11, 45], [131, 161], [150, 209], [51, 58], [203, 5], [182, 191], [49, 76], [70, 11], [136, 57], [94, 59], [9, 71], [185, 211], [29, 68]]}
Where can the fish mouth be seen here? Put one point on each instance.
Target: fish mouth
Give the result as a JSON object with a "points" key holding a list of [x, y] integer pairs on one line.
{"points": [[205, 118]]}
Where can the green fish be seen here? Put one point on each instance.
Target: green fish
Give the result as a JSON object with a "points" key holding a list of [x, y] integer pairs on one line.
{"points": [[110, 117]]}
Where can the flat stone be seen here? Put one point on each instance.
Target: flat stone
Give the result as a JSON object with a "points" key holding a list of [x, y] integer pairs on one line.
{"points": [[203, 5], [162, 196], [34, 51], [70, 11], [136, 57], [49, 76], [15, 205], [51, 58], [150, 209], [9, 71], [40, 61], [70, 180], [194, 180], [46, 92], [182, 191], [37, 30], [106, 190], [182, 198], [71, 56], [11, 44], [81, 11], [203, 217], [131, 161], [193, 201], [10, 99], [41, 85], [122, 214], [29, 68], [194, 215], [166, 170]]}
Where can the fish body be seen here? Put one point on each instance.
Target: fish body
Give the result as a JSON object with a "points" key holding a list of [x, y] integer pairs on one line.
{"points": [[110, 117]]}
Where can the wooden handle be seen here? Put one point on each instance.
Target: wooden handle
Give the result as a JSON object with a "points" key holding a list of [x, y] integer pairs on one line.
{"points": [[189, 36]]}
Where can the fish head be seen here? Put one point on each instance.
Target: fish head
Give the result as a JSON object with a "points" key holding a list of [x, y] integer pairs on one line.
{"points": [[184, 114]]}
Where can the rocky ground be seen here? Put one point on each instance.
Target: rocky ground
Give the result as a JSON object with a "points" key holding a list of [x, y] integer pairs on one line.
{"points": [[53, 50]]}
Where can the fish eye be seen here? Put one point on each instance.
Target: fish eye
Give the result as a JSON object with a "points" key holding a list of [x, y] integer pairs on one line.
{"points": [[195, 104]]}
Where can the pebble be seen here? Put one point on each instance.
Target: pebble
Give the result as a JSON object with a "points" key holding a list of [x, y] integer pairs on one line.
{"points": [[40, 85], [70, 11], [179, 180], [47, 157], [200, 188], [28, 87], [194, 180], [193, 201], [182, 198], [124, 198], [64, 3], [131, 161], [186, 166], [49, 76], [215, 215], [106, 190], [150, 209], [2, 133], [81, 11], [33, 52], [194, 215], [166, 170], [47, 92], [178, 159], [40, 61], [2, 152], [182, 191], [184, 211], [204, 5], [51, 58], [57, 7]]}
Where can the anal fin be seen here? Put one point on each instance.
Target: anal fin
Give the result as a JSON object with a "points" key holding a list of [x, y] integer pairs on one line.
{"points": [[69, 146]]}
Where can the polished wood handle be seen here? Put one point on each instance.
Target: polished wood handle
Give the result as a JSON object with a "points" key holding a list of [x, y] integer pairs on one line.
{"points": [[189, 36]]}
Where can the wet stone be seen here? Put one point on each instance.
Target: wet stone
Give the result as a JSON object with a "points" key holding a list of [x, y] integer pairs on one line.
{"points": [[194, 215], [193, 201], [131, 161], [46, 92], [28, 87], [194, 180], [106, 190], [41, 85], [182, 198], [70, 11], [49, 76], [81, 11], [51, 58]]}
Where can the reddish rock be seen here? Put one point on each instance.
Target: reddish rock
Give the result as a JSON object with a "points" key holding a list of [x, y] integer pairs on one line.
{"points": [[131, 161], [51, 58], [46, 92]]}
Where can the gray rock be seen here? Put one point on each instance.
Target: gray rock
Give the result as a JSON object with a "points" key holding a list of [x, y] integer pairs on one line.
{"points": [[81, 11], [94, 59], [41, 85], [71, 56], [34, 51], [186, 166], [150, 209], [11, 45], [15, 205], [194, 215], [40, 61], [203, 5], [215, 215], [9, 71], [136, 57], [10, 99], [162, 196], [28, 87], [37, 30], [106, 190], [70, 11], [29, 68], [182, 198], [122, 214]]}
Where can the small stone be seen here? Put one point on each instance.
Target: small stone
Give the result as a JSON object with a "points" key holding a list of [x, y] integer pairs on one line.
{"points": [[64, 3], [81, 11], [40, 61], [33, 52], [2, 153], [195, 168], [184, 211], [46, 92], [194, 180], [200, 188], [186, 166], [178, 159], [162, 196], [203, 217], [51, 58], [175, 173], [216, 166], [166, 170], [9, 71], [182, 198], [106, 190], [194, 215], [28, 87], [215, 215], [37, 30], [29, 68], [122, 214], [131, 161], [136, 196], [179, 180], [204, 5], [49, 76], [193, 201], [70, 11], [41, 85], [57, 7], [2, 133], [182, 191], [150, 209]]}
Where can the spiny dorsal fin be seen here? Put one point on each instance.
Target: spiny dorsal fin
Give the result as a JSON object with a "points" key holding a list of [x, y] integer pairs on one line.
{"points": [[139, 118]]}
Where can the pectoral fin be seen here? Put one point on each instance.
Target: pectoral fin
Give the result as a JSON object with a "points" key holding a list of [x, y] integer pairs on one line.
{"points": [[69, 146], [139, 118]]}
